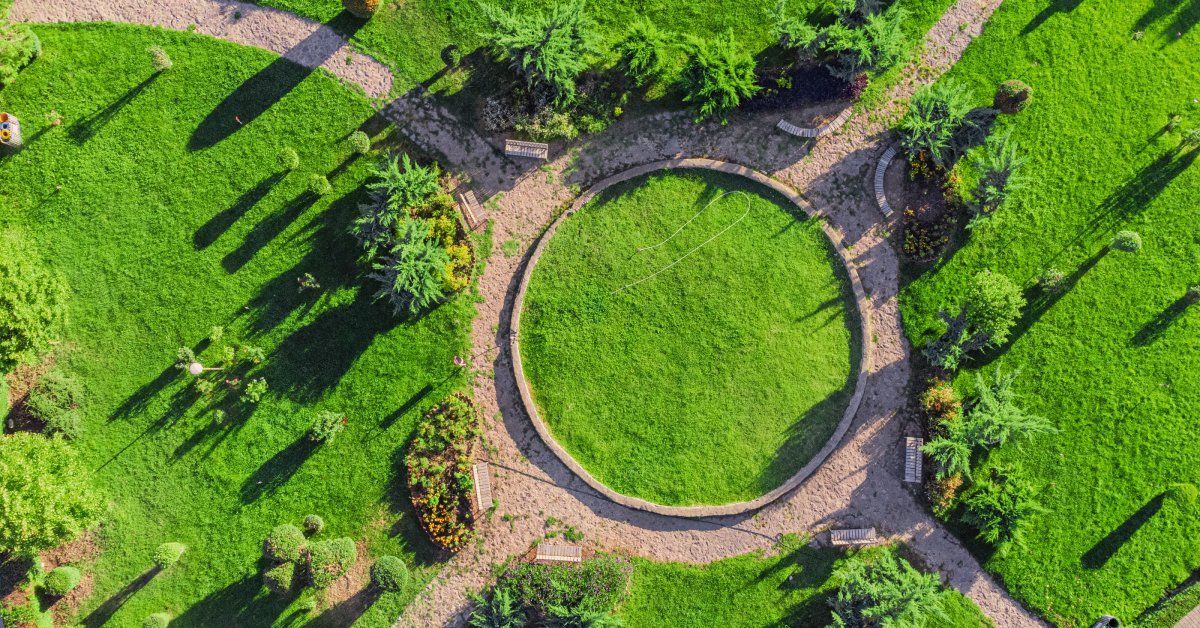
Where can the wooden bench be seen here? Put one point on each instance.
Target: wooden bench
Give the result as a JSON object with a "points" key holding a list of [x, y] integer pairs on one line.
{"points": [[880, 173], [532, 150], [791, 129], [483, 485], [853, 536], [824, 129], [912, 459], [473, 213], [559, 553]]}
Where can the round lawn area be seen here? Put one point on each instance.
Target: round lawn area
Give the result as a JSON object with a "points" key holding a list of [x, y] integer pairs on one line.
{"points": [[690, 338]]}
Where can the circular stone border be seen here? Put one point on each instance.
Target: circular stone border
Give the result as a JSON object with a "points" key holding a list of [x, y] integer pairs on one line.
{"points": [[734, 508]]}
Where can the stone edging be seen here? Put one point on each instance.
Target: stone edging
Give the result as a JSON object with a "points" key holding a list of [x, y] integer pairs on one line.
{"points": [[880, 173], [861, 304], [824, 129]]}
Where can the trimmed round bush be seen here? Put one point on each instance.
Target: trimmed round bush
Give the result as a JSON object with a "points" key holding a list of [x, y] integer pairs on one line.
{"points": [[389, 573], [1052, 280], [280, 579], [287, 158], [284, 543], [1012, 96], [361, 8], [313, 524], [1128, 241], [168, 554], [318, 185], [1184, 494], [160, 59], [329, 560], [359, 142], [55, 401], [62, 580], [326, 426], [1192, 294], [157, 620]]}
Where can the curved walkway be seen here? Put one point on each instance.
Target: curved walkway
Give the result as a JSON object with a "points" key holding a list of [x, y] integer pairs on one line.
{"points": [[530, 406], [858, 485]]}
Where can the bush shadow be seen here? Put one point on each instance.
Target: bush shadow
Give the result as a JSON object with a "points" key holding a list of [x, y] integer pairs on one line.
{"points": [[1155, 328], [105, 611], [267, 230], [276, 471], [221, 222], [1106, 548], [1055, 7], [86, 128], [242, 603]]}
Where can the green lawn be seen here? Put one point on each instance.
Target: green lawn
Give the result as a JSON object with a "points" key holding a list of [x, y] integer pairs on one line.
{"points": [[1114, 362], [167, 218], [791, 588], [712, 381]]}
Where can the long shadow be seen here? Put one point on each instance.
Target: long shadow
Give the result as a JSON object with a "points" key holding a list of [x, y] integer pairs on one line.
{"points": [[105, 611], [261, 91], [12, 573], [86, 128], [276, 472], [346, 612], [406, 527], [266, 231], [406, 407], [1184, 14], [1056, 6], [1153, 330], [220, 223], [241, 603], [1105, 548]]}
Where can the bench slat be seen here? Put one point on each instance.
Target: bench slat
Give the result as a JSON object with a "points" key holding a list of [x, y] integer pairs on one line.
{"points": [[880, 173], [912, 459], [559, 553], [483, 485], [533, 150], [472, 211], [852, 536]]}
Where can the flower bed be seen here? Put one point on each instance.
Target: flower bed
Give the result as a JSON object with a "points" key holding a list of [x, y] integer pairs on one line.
{"points": [[439, 471]]}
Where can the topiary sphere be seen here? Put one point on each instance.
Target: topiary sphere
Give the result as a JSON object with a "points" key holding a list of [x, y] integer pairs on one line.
{"points": [[389, 573], [168, 554], [287, 158], [1184, 494], [318, 185], [1128, 241], [1012, 96], [62, 580], [280, 579], [284, 543], [313, 524], [361, 8], [359, 142], [329, 560], [157, 620]]}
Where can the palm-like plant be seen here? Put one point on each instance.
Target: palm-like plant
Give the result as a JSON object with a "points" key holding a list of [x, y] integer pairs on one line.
{"points": [[551, 48], [935, 114], [499, 612], [1000, 509], [885, 591], [565, 617], [414, 270]]}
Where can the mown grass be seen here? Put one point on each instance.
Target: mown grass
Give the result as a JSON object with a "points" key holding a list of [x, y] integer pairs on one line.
{"points": [[167, 218], [1113, 362], [791, 588], [711, 382]]}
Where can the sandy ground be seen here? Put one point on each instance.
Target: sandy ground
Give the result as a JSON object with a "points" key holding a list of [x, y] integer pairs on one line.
{"points": [[859, 485]]}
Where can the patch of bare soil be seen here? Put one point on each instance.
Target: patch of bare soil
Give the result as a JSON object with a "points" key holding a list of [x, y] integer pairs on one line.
{"points": [[351, 595], [83, 549], [20, 382]]}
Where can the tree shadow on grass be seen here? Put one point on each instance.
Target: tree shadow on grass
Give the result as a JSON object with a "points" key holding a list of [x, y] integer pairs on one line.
{"points": [[1184, 16], [1106, 548], [266, 231], [220, 223], [276, 472], [1055, 6], [261, 91], [1153, 330], [346, 612], [86, 128], [105, 611], [806, 436], [425, 553], [242, 603]]}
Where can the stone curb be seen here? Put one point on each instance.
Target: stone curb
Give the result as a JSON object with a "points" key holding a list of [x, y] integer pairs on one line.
{"points": [[861, 303]]}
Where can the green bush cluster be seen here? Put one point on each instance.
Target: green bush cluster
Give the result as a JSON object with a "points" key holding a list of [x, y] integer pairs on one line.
{"points": [[62, 580], [937, 115], [861, 39], [280, 579], [1000, 509], [991, 309], [359, 142], [46, 491], [287, 158], [389, 574], [314, 524], [330, 560], [19, 46], [284, 543], [168, 554], [548, 49], [642, 54], [55, 400], [533, 594], [1128, 241], [32, 305], [159, 59], [878, 588], [718, 76], [326, 427], [318, 185]]}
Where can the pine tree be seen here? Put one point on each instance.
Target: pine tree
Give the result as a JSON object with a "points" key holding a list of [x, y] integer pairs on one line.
{"points": [[718, 76], [548, 49]]}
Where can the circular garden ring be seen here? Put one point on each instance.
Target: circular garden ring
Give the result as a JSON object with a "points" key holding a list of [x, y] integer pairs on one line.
{"points": [[860, 302]]}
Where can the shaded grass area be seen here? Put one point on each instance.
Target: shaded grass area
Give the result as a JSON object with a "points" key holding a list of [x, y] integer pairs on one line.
{"points": [[160, 240], [791, 588], [712, 380], [1113, 361]]}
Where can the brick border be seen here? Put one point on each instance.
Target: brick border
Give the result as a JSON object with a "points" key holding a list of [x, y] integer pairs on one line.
{"points": [[861, 304]]}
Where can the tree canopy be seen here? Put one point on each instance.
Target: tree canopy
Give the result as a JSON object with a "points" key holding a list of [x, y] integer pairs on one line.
{"points": [[44, 492]]}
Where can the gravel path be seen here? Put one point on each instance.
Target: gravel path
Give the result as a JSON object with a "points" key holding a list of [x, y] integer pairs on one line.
{"points": [[858, 485]]}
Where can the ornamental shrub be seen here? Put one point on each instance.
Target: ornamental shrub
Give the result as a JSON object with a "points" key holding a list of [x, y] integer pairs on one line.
{"points": [[1183, 494], [951, 451], [718, 76], [326, 426], [498, 611], [999, 167], [595, 585], [47, 496], [940, 401], [1052, 280], [412, 273], [642, 52], [19, 46], [329, 560], [287, 158], [1012, 96], [55, 401], [935, 115], [359, 142], [62, 580], [361, 8], [285, 542], [403, 183], [439, 470], [996, 418], [879, 44], [32, 301], [168, 554], [882, 589], [549, 49], [159, 59], [313, 524], [157, 620], [1000, 509], [389, 573], [1128, 241], [795, 32], [992, 306], [318, 185], [280, 579]]}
